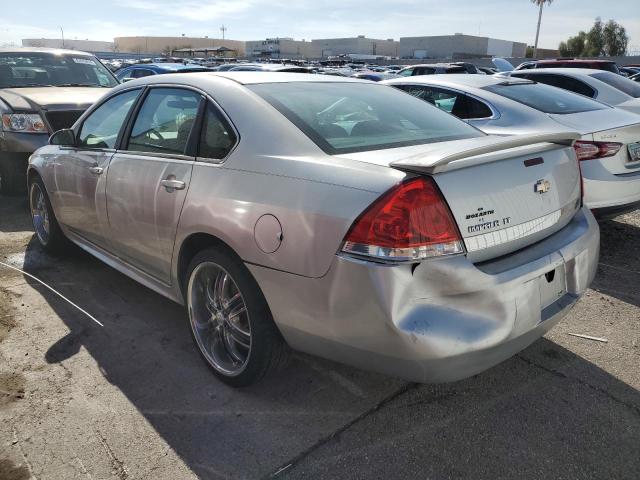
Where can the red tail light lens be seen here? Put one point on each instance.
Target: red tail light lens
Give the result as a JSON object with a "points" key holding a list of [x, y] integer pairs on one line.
{"points": [[592, 150], [410, 222]]}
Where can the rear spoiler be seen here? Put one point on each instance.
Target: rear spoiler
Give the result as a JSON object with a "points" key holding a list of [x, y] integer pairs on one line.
{"points": [[493, 148]]}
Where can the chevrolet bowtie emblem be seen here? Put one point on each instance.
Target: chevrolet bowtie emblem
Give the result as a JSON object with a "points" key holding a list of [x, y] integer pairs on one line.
{"points": [[542, 186]]}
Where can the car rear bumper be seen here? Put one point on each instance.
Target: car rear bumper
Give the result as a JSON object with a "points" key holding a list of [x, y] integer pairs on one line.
{"points": [[441, 320], [604, 190]]}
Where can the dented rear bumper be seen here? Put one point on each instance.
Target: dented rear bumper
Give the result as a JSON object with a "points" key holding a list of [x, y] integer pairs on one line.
{"points": [[439, 320]]}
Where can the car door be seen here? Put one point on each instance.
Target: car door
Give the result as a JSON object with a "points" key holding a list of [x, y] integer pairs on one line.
{"points": [[80, 172], [149, 177]]}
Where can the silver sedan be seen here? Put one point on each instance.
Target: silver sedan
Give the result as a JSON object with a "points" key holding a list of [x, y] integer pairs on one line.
{"points": [[609, 146], [334, 216]]}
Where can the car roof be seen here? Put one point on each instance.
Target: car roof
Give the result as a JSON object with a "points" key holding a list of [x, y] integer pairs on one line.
{"points": [[53, 51], [564, 71], [441, 64], [474, 81], [252, 78], [574, 60], [242, 78]]}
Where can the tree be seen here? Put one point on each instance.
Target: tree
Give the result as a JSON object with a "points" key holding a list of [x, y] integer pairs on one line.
{"points": [[616, 39], [602, 39], [574, 46], [595, 40], [539, 3]]}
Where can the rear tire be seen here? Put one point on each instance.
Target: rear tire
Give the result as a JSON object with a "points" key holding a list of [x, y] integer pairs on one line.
{"points": [[46, 227], [13, 177], [230, 320]]}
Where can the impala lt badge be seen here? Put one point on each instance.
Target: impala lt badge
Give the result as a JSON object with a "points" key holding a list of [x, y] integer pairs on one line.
{"points": [[542, 186]]}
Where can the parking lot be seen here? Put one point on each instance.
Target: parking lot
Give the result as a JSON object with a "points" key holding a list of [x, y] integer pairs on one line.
{"points": [[133, 400]]}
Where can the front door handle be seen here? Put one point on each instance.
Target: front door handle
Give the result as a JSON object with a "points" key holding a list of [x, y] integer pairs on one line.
{"points": [[171, 184], [96, 170]]}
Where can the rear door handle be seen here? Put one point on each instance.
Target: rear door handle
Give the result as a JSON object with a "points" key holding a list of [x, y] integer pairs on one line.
{"points": [[96, 170], [171, 184]]}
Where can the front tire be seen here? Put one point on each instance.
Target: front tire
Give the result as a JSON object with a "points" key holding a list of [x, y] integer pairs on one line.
{"points": [[46, 227], [230, 320]]}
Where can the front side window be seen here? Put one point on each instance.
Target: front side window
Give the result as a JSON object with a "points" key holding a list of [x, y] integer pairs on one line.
{"points": [[342, 117], [164, 122], [452, 102], [31, 69], [217, 138], [141, 72], [545, 98], [424, 71], [102, 126], [406, 73], [618, 81]]}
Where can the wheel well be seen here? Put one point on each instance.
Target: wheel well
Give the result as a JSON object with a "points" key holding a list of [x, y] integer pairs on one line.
{"points": [[194, 244], [32, 172]]}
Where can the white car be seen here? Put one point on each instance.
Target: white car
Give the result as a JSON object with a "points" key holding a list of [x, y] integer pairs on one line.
{"points": [[609, 149], [600, 85]]}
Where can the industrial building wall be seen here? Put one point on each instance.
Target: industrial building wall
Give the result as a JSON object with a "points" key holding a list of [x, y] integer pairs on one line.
{"points": [[158, 45], [82, 45], [450, 46], [360, 45]]}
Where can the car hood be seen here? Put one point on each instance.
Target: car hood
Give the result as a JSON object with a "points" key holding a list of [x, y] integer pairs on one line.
{"points": [[596, 120], [46, 98]]}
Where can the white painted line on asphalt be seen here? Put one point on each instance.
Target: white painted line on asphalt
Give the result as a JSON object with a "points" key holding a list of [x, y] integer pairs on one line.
{"points": [[53, 290], [589, 337]]}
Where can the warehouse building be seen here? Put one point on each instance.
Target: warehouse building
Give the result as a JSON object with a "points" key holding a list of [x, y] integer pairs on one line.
{"points": [[92, 46], [459, 46], [160, 45], [360, 45], [281, 48]]}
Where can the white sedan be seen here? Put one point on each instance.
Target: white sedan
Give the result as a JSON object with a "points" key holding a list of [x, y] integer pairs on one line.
{"points": [[609, 149]]}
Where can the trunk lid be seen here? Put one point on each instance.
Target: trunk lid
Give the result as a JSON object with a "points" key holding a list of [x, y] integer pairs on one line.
{"points": [[504, 192]]}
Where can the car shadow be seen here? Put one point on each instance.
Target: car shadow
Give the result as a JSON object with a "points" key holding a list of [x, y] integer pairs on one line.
{"points": [[14, 213], [619, 267], [145, 350]]}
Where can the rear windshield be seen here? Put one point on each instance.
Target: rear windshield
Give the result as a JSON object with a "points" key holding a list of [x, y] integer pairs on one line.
{"points": [[545, 98], [618, 81], [356, 117], [31, 69]]}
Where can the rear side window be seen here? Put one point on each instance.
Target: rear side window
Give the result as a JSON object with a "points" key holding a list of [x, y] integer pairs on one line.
{"points": [[561, 81], [217, 137], [545, 98], [343, 117], [165, 121], [140, 72], [102, 126], [618, 81]]}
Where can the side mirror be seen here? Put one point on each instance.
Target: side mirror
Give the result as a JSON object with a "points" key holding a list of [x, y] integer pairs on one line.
{"points": [[65, 138], [126, 79]]}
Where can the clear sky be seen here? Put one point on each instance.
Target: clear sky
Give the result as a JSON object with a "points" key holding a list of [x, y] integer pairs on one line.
{"points": [[307, 19]]}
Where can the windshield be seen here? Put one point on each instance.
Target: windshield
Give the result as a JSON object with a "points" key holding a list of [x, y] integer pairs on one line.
{"points": [[618, 81], [31, 69], [545, 98], [355, 117]]}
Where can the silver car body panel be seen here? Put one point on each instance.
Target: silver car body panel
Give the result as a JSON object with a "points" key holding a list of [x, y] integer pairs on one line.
{"points": [[434, 320], [609, 182]]}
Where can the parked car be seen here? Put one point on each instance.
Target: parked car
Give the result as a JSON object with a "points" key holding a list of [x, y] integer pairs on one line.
{"points": [[609, 148], [41, 91], [374, 76], [606, 87], [629, 71], [436, 68], [269, 67], [607, 65], [149, 69], [635, 78], [335, 215]]}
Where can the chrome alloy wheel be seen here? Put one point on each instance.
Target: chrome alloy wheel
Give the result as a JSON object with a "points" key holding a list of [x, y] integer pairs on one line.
{"points": [[39, 213], [219, 318]]}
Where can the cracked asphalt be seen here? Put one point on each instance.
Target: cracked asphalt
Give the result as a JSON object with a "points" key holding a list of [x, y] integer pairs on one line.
{"points": [[133, 400]]}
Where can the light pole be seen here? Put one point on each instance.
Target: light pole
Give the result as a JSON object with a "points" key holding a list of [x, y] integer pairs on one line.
{"points": [[223, 29], [62, 33]]}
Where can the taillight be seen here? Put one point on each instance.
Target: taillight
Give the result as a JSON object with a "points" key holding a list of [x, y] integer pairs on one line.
{"points": [[410, 222], [592, 150]]}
